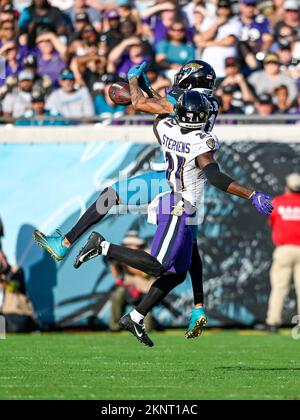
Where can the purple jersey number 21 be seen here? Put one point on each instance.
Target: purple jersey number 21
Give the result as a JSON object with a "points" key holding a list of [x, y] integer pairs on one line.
{"points": [[178, 167]]}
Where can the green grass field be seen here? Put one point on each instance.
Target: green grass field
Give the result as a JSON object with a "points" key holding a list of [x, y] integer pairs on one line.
{"points": [[219, 365]]}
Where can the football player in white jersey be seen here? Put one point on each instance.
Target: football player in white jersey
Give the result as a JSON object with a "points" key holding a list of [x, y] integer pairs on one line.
{"points": [[189, 151]]}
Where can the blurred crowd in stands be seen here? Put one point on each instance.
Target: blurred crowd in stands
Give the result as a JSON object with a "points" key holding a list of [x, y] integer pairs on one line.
{"points": [[59, 57]]}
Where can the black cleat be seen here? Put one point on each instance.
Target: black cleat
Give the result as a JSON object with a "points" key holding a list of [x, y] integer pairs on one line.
{"points": [[139, 331], [91, 250]]}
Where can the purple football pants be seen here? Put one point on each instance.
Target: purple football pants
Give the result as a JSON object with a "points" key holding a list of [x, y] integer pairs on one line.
{"points": [[173, 241]]}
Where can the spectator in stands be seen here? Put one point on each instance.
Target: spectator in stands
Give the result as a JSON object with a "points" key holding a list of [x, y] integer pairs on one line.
{"points": [[196, 11], [130, 284], [15, 304], [8, 13], [15, 104], [285, 224], [51, 55], [38, 110], [81, 6], [159, 19], [112, 36], [125, 55], [288, 35], [38, 105], [219, 37], [68, 101], [175, 51], [13, 64], [234, 77], [86, 39], [41, 13], [81, 20], [291, 18], [264, 105], [129, 29], [256, 33], [290, 65], [7, 31], [281, 99], [42, 84], [199, 17], [101, 40], [227, 105], [127, 12], [276, 11], [90, 69], [270, 77], [10, 85]]}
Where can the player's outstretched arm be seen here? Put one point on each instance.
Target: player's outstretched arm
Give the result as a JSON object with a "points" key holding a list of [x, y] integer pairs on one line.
{"points": [[222, 181], [154, 105]]}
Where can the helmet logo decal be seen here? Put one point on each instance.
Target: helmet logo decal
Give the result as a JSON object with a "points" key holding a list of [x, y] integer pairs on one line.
{"points": [[187, 70]]}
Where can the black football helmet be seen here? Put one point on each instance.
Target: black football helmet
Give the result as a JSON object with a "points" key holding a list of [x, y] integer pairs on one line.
{"points": [[192, 110], [196, 74]]}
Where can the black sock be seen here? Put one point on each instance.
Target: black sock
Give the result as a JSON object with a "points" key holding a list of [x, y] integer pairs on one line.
{"points": [[159, 290], [140, 260], [196, 272], [107, 199]]}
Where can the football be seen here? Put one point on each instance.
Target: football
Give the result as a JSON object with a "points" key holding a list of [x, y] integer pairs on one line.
{"points": [[119, 93]]}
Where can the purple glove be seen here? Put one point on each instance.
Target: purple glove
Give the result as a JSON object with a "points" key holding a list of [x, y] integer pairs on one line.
{"points": [[262, 202]]}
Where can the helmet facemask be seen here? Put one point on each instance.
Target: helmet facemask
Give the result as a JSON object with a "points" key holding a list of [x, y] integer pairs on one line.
{"points": [[192, 121], [192, 111]]}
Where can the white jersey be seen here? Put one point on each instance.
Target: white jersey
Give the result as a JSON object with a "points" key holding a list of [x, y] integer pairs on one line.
{"points": [[180, 152]]}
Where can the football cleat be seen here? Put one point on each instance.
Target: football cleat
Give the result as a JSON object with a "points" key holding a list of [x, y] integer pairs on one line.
{"points": [[139, 331], [52, 244], [91, 250], [197, 323]]}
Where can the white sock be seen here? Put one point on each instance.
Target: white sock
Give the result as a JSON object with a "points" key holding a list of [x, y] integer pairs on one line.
{"points": [[105, 247], [137, 317]]}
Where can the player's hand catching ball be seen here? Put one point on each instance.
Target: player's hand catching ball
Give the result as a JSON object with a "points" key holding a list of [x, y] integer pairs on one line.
{"points": [[136, 71], [262, 203]]}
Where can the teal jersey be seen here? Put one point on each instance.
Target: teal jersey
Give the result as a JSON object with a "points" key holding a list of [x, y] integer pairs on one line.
{"points": [[176, 54]]}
